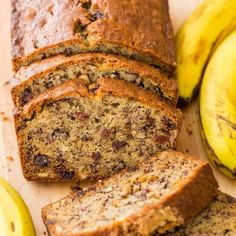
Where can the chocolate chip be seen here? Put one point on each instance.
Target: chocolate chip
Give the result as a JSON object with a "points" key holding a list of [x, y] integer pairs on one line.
{"points": [[230, 199], [64, 173], [96, 120], [96, 156], [115, 104], [142, 85], [82, 116], [168, 123], [105, 133], [41, 160], [128, 125], [68, 51], [79, 27], [26, 96], [165, 185], [116, 145], [71, 117], [87, 5], [97, 15], [48, 84], [226, 231], [161, 139]]}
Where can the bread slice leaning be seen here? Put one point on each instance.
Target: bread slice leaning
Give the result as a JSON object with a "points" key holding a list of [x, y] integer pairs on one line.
{"points": [[47, 73], [218, 219], [156, 196], [77, 132], [140, 30]]}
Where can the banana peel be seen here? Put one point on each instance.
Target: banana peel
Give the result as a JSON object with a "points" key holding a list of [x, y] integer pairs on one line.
{"points": [[196, 39], [218, 107], [15, 219]]}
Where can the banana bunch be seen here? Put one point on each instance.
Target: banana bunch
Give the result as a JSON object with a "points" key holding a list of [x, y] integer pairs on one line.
{"points": [[196, 39], [206, 51], [218, 106], [15, 219]]}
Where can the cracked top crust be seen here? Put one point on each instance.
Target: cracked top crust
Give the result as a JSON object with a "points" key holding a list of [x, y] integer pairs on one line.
{"points": [[138, 29]]}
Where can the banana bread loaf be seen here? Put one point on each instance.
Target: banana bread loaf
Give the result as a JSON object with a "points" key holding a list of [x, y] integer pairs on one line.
{"points": [[75, 132], [157, 195], [38, 77], [218, 219], [137, 29]]}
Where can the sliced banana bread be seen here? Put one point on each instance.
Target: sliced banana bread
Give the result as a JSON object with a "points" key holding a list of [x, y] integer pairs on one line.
{"points": [[156, 195], [39, 76], [218, 219], [79, 132], [137, 29]]}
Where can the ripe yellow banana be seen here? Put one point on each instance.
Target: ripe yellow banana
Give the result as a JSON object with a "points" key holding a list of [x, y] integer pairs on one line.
{"points": [[227, 31], [195, 40], [218, 106], [15, 219]]}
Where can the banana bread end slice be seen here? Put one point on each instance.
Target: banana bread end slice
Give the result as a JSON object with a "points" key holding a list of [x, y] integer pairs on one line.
{"points": [[217, 219]]}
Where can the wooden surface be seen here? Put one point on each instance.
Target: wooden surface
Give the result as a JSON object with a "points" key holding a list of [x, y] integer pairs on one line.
{"points": [[37, 195]]}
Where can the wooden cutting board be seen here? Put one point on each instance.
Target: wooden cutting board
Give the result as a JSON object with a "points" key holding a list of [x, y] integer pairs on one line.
{"points": [[37, 195]]}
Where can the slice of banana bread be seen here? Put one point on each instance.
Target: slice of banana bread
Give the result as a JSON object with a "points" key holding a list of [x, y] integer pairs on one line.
{"points": [[218, 219], [79, 132], [38, 77], [157, 195], [137, 29]]}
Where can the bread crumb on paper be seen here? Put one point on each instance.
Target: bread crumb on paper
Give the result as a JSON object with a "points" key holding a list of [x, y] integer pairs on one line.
{"points": [[4, 116], [6, 83], [9, 158]]}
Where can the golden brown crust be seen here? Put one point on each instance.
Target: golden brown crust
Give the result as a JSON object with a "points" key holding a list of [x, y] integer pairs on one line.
{"points": [[193, 194], [203, 184], [140, 30]]}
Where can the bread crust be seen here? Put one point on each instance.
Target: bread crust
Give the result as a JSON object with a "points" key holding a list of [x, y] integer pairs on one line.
{"points": [[139, 29], [192, 196]]}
